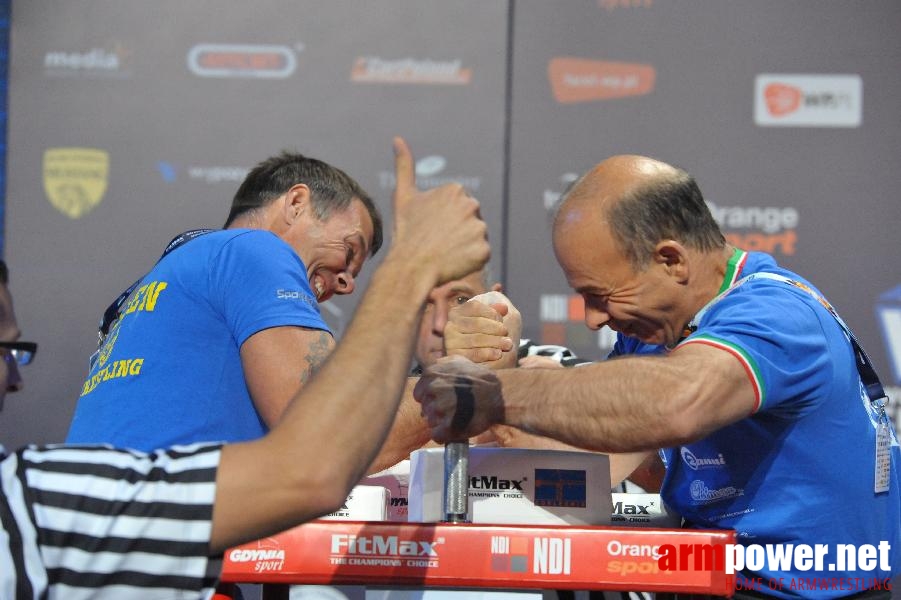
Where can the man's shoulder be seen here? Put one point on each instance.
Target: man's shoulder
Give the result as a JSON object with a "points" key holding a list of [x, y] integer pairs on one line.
{"points": [[248, 244], [243, 237]]}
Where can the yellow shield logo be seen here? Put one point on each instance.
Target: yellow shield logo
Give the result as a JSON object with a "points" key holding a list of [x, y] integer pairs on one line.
{"points": [[75, 179]]}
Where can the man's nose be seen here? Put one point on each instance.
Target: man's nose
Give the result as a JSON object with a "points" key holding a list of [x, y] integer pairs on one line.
{"points": [[595, 318], [346, 283], [439, 317]]}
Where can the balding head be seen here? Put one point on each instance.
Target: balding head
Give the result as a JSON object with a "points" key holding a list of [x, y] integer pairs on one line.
{"points": [[640, 201]]}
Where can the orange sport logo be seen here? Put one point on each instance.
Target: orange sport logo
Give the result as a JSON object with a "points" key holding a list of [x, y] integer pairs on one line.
{"points": [[576, 80]]}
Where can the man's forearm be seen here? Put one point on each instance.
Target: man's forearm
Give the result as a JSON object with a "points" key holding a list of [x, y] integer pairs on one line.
{"points": [[629, 404]]}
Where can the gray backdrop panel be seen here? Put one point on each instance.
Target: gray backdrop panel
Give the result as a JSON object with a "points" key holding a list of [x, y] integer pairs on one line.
{"points": [[115, 76]]}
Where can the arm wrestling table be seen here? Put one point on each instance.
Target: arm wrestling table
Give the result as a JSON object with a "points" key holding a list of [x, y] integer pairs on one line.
{"points": [[444, 555]]}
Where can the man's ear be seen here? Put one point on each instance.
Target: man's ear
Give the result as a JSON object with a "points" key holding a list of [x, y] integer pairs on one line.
{"points": [[673, 257], [296, 202]]}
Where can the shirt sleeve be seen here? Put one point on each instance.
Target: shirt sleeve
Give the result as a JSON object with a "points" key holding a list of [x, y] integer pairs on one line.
{"points": [[91, 518], [260, 282], [777, 334]]}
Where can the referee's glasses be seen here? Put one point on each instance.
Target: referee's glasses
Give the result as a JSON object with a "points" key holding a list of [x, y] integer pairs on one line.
{"points": [[21, 353]]}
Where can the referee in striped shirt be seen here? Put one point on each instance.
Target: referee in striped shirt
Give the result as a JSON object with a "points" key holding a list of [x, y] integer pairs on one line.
{"points": [[93, 522]]}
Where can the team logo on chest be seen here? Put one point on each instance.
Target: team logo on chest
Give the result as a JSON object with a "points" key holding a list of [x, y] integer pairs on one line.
{"points": [[695, 462]]}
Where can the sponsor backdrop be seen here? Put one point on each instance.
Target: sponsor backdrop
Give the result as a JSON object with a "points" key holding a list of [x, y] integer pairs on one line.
{"points": [[130, 122]]}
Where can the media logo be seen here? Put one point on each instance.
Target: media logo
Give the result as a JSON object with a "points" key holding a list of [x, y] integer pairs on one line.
{"points": [[562, 319], [373, 69], [560, 487], [808, 100], [242, 61], [430, 173], [509, 554], [94, 62], [576, 80], [75, 179]]}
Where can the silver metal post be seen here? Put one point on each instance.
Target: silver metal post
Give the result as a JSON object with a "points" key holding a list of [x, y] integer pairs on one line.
{"points": [[456, 482]]}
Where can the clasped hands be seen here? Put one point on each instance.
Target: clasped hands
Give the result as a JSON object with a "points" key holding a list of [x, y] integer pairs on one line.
{"points": [[461, 394]]}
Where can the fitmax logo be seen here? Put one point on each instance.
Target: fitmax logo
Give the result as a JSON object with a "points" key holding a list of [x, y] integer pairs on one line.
{"points": [[630, 509], [486, 482], [383, 546]]}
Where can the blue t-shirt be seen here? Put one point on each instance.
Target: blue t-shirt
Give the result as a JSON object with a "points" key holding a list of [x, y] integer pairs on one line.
{"points": [[800, 469], [170, 369]]}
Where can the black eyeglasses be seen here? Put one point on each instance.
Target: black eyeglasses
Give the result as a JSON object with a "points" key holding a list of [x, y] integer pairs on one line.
{"points": [[20, 352]]}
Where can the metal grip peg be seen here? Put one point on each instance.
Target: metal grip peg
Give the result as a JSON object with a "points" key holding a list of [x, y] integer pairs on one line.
{"points": [[456, 482]]}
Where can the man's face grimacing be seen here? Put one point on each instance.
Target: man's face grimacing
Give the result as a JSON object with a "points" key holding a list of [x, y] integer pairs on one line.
{"points": [[639, 304], [334, 249], [430, 342]]}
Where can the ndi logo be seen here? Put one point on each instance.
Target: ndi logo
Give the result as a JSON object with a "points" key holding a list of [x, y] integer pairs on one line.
{"points": [[509, 554]]}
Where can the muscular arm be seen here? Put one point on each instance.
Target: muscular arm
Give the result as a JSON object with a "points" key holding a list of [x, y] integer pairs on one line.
{"points": [[631, 404], [621, 405], [278, 362]]}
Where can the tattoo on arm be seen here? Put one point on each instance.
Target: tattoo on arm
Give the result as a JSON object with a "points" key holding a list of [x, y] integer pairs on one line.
{"points": [[317, 352]]}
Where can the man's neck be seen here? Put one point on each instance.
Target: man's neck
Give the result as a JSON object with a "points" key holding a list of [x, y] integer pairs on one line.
{"points": [[714, 267]]}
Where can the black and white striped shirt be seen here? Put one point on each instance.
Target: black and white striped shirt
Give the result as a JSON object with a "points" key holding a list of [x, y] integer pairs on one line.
{"points": [[92, 522]]}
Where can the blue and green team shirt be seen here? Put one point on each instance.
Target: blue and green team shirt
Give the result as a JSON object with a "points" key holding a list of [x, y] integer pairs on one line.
{"points": [[170, 369], [800, 468]]}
